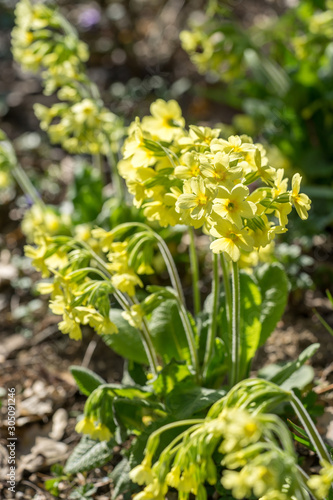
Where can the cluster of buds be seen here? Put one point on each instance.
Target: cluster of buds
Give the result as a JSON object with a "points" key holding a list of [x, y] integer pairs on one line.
{"points": [[200, 179], [252, 462], [220, 45], [43, 40], [79, 289]]}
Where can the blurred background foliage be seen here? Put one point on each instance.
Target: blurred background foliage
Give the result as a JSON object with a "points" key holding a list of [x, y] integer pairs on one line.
{"points": [[260, 67]]}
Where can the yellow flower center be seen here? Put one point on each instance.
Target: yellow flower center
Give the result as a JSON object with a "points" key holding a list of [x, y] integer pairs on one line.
{"points": [[195, 171], [250, 428], [201, 199], [233, 236]]}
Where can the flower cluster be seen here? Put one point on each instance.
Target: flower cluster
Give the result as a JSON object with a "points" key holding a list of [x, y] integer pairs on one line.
{"points": [[86, 267], [93, 428], [44, 40], [200, 179], [321, 483], [218, 44], [252, 463]]}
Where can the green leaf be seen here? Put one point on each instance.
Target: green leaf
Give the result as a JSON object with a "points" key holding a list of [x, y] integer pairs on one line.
{"points": [[83, 492], [128, 414], [87, 381], [52, 485], [250, 324], [299, 379], [86, 194], [285, 372], [274, 287], [168, 333], [186, 400], [172, 374], [89, 454], [127, 342], [217, 366], [133, 374], [121, 480]]}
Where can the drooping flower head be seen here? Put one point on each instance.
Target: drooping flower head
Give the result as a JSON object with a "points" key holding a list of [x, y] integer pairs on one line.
{"points": [[198, 178]]}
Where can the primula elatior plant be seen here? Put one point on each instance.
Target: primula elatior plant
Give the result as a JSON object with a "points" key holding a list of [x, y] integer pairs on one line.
{"points": [[277, 71], [193, 420]]}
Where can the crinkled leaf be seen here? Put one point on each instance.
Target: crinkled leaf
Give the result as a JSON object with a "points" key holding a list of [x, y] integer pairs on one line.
{"points": [[120, 477], [274, 287], [128, 414], [280, 374], [87, 381], [250, 324], [127, 342], [217, 366], [171, 375], [186, 400], [168, 333], [89, 454]]}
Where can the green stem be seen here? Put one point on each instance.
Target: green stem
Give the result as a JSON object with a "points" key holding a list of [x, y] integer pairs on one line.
{"points": [[195, 273], [215, 308], [171, 266], [98, 164], [126, 305], [190, 340], [26, 185], [305, 478], [116, 179], [165, 252], [227, 290], [310, 428], [235, 339], [172, 425]]}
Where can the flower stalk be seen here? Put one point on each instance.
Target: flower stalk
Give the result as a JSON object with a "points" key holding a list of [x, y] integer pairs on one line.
{"points": [[194, 272], [313, 434], [235, 322], [215, 308]]}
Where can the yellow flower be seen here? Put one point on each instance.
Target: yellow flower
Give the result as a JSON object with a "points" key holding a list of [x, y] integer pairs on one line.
{"points": [[142, 474], [322, 482], [166, 120], [232, 206], [173, 477], [242, 429], [104, 237], [71, 325], [88, 315], [280, 183], [238, 482], [126, 282], [162, 212], [188, 481], [234, 144], [189, 168], [101, 432], [230, 239], [45, 288], [301, 201], [38, 256], [263, 232], [220, 170], [135, 148], [154, 491], [85, 426], [198, 197], [134, 316]]}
